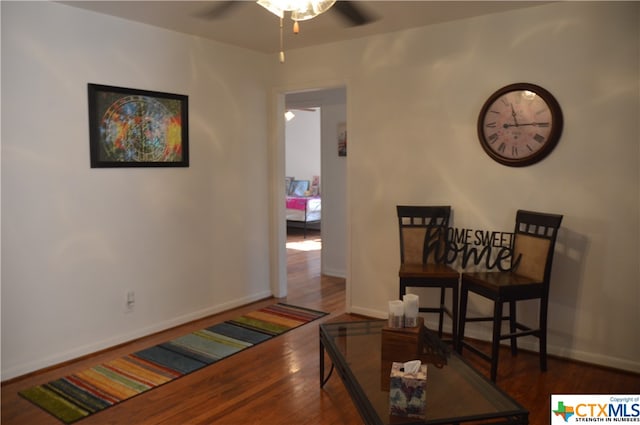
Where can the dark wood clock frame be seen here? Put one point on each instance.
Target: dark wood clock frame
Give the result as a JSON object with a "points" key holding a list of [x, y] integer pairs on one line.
{"points": [[549, 143]]}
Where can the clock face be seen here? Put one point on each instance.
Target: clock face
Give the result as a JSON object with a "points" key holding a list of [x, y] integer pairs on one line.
{"points": [[519, 124]]}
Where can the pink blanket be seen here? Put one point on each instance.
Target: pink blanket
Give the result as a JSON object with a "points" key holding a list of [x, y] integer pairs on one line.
{"points": [[297, 203]]}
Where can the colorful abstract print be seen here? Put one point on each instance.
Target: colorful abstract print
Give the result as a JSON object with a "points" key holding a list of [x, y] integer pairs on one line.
{"points": [[79, 395], [141, 129]]}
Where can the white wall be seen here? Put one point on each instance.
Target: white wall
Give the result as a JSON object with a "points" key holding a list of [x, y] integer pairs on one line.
{"points": [[302, 136], [414, 98], [75, 239], [334, 188], [189, 241]]}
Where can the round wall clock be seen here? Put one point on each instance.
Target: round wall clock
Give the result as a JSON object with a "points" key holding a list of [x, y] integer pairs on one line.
{"points": [[519, 124]]}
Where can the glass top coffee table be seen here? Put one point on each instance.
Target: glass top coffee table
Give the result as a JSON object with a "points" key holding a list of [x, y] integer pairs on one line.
{"points": [[455, 392]]}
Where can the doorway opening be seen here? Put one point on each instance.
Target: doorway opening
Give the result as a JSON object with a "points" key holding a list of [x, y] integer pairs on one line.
{"points": [[303, 192], [316, 241]]}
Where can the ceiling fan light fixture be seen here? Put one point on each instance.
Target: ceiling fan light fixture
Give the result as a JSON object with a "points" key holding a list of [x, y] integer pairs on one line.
{"points": [[301, 10], [311, 9], [274, 7], [289, 115]]}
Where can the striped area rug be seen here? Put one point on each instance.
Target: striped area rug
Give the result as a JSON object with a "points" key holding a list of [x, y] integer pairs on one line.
{"points": [[77, 396]]}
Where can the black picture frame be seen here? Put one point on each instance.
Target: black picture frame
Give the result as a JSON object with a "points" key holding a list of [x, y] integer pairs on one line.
{"points": [[137, 128]]}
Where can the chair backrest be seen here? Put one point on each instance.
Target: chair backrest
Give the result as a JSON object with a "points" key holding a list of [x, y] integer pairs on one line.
{"points": [[423, 233], [534, 243]]}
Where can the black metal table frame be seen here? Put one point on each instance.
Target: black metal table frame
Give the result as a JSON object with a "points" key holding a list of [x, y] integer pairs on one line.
{"points": [[367, 411]]}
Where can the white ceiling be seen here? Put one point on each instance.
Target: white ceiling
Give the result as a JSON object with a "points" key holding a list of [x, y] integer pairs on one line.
{"points": [[248, 25]]}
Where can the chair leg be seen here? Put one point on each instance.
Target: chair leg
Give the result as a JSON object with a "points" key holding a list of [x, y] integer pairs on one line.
{"points": [[495, 344], [454, 320], [441, 320], [463, 317], [512, 327], [543, 335]]}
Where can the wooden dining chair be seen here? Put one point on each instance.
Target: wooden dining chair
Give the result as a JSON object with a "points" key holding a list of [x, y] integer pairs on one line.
{"points": [[423, 243], [532, 245]]}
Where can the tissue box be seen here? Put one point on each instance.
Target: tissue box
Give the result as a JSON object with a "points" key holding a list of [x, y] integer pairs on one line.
{"points": [[407, 393], [399, 345]]}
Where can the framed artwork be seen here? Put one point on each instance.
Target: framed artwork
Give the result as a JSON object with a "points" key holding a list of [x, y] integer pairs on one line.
{"points": [[137, 128], [342, 139], [315, 186], [287, 184], [299, 187]]}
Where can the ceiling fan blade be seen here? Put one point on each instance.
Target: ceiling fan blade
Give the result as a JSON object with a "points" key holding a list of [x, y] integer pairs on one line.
{"points": [[352, 13], [220, 9]]}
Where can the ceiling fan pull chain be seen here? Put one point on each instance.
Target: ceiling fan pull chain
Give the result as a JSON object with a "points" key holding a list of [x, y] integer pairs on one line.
{"points": [[281, 40]]}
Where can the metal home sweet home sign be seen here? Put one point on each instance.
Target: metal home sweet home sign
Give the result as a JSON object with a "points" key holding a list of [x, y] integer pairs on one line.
{"points": [[468, 247]]}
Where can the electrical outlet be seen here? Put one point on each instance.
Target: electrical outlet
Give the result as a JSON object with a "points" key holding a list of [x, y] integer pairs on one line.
{"points": [[130, 301]]}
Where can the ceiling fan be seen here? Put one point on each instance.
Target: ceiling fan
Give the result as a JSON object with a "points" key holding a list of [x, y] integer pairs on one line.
{"points": [[289, 114], [349, 11], [298, 10]]}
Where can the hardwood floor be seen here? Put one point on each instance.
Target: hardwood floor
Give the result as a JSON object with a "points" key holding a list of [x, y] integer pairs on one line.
{"points": [[277, 382]]}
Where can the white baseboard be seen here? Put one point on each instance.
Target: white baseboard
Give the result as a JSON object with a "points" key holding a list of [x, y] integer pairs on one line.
{"points": [[334, 273], [532, 345], [77, 352]]}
